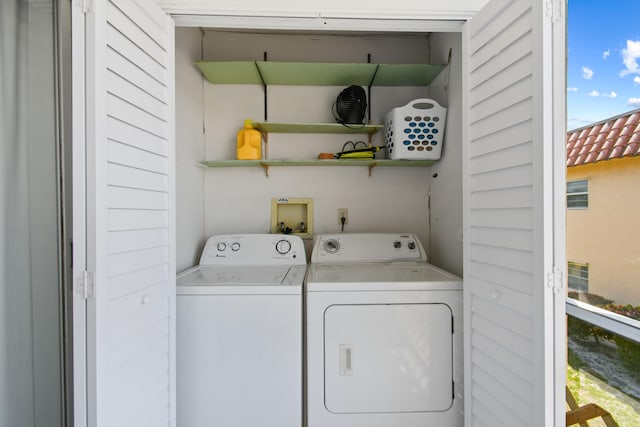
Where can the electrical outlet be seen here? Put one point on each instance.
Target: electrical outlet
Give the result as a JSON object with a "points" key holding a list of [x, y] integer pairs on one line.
{"points": [[343, 213]]}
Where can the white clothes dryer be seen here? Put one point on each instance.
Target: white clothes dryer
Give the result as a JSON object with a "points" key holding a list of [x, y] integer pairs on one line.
{"points": [[384, 335], [239, 333]]}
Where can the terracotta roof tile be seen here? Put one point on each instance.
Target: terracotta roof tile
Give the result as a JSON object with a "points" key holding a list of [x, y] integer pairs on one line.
{"points": [[619, 123], [594, 130], [631, 150], [616, 153], [603, 155], [610, 139], [591, 158], [581, 159], [621, 141], [614, 132]]}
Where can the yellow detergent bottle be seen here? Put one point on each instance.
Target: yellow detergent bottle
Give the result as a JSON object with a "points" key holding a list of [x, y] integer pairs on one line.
{"points": [[249, 142]]}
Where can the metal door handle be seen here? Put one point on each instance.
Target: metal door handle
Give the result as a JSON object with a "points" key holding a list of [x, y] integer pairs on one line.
{"points": [[346, 359]]}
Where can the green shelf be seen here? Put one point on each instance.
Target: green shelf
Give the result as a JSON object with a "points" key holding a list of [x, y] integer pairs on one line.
{"points": [[230, 72], [318, 73], [266, 164], [333, 128], [407, 74]]}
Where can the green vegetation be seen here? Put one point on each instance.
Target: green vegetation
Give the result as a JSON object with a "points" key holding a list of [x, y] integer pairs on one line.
{"points": [[586, 388], [586, 385], [628, 350]]}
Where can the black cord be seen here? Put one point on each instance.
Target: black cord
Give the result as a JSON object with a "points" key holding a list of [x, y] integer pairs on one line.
{"points": [[342, 221], [354, 145], [342, 122]]}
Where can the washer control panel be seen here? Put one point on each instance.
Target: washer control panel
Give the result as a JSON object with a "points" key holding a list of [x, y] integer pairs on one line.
{"points": [[367, 247], [253, 249]]}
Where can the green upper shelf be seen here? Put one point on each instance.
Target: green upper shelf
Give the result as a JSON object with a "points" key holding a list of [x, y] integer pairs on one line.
{"points": [[318, 74], [270, 127]]}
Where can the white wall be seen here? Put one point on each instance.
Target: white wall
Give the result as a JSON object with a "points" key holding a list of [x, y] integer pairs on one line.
{"points": [[239, 199], [446, 175], [189, 149]]}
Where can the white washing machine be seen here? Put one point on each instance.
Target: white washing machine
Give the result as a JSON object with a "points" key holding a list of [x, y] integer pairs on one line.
{"points": [[239, 333], [384, 335]]}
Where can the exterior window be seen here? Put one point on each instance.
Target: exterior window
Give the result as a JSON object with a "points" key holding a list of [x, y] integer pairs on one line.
{"points": [[578, 275], [578, 194]]}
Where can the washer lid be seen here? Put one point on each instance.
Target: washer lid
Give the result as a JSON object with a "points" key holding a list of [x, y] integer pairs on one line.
{"points": [[218, 280], [379, 276]]}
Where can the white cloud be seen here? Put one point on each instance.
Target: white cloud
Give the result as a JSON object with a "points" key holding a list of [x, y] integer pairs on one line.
{"points": [[594, 93], [606, 54], [630, 56], [634, 102], [574, 89], [587, 73], [636, 80]]}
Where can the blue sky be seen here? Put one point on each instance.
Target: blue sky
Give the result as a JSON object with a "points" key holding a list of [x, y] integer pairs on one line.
{"points": [[603, 70]]}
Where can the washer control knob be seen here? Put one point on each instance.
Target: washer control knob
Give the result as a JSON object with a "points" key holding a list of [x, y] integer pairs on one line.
{"points": [[283, 246], [332, 246], [412, 245], [235, 246], [221, 246], [397, 244]]}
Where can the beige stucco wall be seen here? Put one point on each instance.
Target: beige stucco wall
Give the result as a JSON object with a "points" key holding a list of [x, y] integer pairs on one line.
{"points": [[607, 234]]}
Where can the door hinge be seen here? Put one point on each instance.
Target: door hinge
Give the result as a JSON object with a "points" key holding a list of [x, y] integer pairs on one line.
{"points": [[86, 285], [553, 10], [87, 6], [555, 280]]}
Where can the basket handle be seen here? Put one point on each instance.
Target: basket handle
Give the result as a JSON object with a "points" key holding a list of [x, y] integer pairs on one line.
{"points": [[424, 104]]}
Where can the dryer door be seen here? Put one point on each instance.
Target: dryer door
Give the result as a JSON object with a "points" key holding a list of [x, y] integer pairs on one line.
{"points": [[388, 358]]}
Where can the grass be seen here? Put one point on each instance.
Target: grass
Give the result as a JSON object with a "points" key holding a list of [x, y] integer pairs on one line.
{"points": [[587, 388]]}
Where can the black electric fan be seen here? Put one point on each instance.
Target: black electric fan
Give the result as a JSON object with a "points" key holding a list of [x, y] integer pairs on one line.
{"points": [[351, 105]]}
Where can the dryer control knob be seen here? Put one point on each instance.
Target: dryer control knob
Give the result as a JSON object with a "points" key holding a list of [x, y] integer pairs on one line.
{"points": [[332, 246], [235, 246], [397, 244], [221, 246]]}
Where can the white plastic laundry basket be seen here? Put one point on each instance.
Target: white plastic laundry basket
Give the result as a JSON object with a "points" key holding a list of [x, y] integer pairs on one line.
{"points": [[415, 131]]}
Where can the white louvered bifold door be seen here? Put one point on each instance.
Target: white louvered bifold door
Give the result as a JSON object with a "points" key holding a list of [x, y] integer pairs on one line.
{"points": [[509, 215], [130, 214]]}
